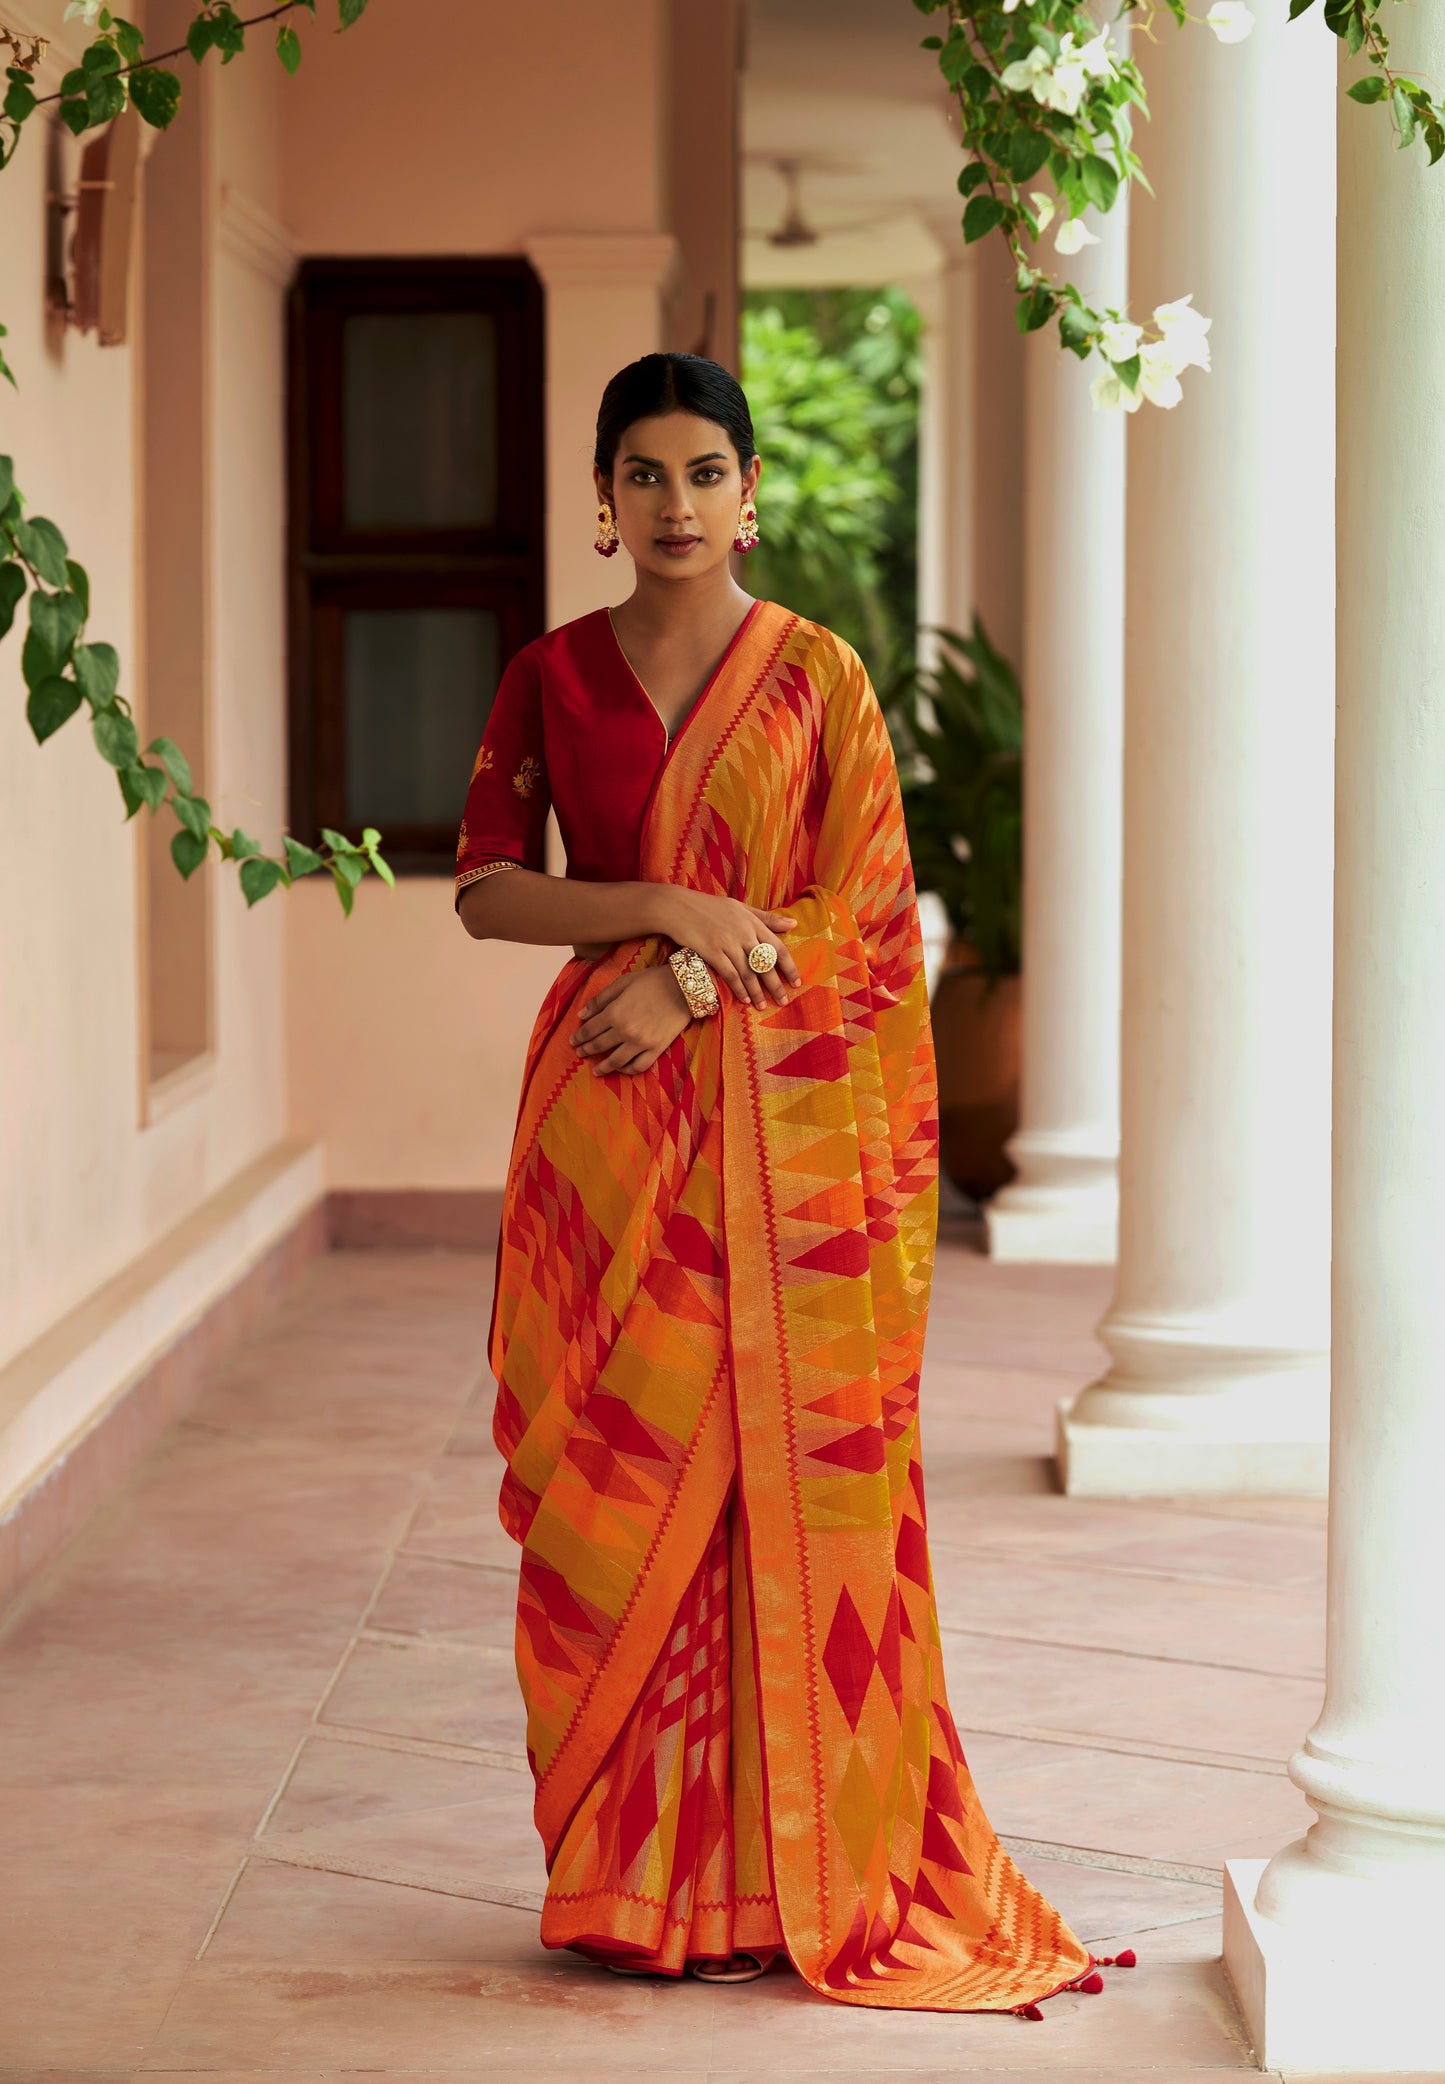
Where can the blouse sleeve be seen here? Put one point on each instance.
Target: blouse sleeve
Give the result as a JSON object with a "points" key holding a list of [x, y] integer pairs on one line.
{"points": [[506, 814]]}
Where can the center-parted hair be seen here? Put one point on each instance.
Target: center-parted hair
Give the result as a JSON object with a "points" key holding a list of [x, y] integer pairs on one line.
{"points": [[664, 383]]}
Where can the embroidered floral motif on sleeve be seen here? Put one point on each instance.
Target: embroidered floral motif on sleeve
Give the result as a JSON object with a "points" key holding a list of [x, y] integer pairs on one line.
{"points": [[485, 762], [527, 776], [462, 840]]}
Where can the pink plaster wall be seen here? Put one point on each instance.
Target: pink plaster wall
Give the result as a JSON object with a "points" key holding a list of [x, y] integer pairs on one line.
{"points": [[533, 127]]}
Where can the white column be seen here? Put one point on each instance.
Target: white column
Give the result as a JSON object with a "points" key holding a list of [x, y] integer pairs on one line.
{"points": [[1064, 1204], [948, 464], [1336, 1956], [1218, 1326], [603, 298]]}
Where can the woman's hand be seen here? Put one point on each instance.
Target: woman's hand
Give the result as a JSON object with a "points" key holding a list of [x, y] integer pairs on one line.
{"points": [[722, 930], [630, 1022]]}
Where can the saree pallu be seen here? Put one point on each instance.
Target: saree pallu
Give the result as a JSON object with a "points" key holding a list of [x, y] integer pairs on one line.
{"points": [[712, 1288]]}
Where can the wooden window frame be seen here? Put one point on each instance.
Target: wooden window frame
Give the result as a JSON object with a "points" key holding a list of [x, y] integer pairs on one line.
{"points": [[331, 567]]}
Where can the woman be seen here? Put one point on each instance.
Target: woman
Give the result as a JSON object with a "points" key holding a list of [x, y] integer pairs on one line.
{"points": [[713, 1278]]}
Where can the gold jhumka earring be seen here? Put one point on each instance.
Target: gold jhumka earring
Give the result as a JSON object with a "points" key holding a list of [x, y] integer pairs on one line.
{"points": [[608, 541], [747, 536]]}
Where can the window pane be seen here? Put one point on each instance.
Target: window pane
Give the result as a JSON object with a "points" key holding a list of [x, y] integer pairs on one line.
{"points": [[419, 686], [420, 419]]}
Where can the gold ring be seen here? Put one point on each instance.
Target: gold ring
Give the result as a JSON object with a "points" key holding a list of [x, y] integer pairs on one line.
{"points": [[763, 957]]}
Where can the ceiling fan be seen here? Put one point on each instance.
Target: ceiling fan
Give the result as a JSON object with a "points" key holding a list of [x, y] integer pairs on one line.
{"points": [[794, 229]]}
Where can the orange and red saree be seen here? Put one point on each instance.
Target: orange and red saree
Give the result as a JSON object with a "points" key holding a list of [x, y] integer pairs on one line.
{"points": [[712, 1288]]}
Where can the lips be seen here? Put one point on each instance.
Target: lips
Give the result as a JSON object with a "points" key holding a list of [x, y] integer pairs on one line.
{"points": [[676, 542]]}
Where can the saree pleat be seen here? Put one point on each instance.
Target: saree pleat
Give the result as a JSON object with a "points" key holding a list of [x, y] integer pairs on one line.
{"points": [[712, 1290]]}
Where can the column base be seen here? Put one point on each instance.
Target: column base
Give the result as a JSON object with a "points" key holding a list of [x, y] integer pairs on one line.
{"points": [[1029, 1226], [1114, 1461], [1063, 1209], [1362, 1998]]}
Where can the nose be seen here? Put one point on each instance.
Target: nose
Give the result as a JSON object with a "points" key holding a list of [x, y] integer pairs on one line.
{"points": [[677, 507]]}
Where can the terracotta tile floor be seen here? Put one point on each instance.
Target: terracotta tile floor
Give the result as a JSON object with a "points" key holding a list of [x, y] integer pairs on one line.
{"points": [[264, 1812]]}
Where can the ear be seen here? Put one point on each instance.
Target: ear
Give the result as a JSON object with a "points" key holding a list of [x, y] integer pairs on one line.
{"points": [[750, 478], [604, 488]]}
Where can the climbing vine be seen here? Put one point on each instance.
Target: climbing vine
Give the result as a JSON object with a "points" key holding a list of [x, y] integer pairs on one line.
{"points": [[65, 671], [1043, 91]]}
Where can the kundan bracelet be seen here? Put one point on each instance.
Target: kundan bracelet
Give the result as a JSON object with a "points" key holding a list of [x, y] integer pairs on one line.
{"points": [[696, 981]]}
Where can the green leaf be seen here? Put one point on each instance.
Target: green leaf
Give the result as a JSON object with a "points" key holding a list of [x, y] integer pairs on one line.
{"points": [[345, 890], [288, 49], [243, 846], [300, 861], [99, 57], [1435, 140], [79, 580], [1403, 110], [1101, 183], [12, 592], [188, 852], [174, 761], [42, 543], [983, 214], [104, 98], [1298, 7], [141, 784], [972, 174], [115, 737], [7, 481], [55, 620], [97, 668], [50, 705], [351, 11], [1075, 326], [1027, 153], [156, 95], [383, 869], [194, 813], [352, 867], [19, 101], [1128, 372], [259, 877], [129, 39], [338, 842], [1372, 88], [1034, 311]]}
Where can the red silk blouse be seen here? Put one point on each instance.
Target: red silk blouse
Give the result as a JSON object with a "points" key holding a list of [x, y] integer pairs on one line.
{"points": [[571, 726]]}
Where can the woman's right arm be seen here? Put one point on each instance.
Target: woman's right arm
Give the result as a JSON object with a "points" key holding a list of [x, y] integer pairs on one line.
{"points": [[552, 911], [549, 911]]}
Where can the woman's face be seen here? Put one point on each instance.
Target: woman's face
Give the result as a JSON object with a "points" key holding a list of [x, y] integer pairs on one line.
{"points": [[677, 489]]}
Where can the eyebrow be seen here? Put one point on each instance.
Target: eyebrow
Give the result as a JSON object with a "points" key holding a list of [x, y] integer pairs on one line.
{"points": [[712, 456]]}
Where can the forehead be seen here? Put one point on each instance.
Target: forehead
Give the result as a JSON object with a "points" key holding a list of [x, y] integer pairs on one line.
{"points": [[676, 438]]}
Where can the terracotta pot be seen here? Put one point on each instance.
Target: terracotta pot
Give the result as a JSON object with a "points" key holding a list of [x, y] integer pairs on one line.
{"points": [[976, 1037]]}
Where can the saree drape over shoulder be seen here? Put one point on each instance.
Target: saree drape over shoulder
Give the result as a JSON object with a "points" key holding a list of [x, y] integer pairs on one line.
{"points": [[712, 1286]]}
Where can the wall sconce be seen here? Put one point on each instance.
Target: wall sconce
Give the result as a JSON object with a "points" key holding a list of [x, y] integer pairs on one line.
{"points": [[88, 287]]}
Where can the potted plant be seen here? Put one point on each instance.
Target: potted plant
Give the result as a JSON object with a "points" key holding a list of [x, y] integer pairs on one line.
{"points": [[957, 728]]}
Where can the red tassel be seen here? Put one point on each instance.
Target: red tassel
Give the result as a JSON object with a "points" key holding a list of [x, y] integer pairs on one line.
{"points": [[1128, 1959], [1027, 2011], [1091, 1985]]}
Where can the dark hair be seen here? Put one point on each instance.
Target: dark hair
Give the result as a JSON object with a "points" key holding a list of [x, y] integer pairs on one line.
{"points": [[665, 383]]}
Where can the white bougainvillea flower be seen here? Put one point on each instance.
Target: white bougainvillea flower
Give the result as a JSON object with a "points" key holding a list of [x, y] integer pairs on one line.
{"points": [[1159, 374], [1096, 57], [1029, 75], [1044, 208], [1186, 331], [1230, 20], [1073, 237], [1119, 339], [84, 10], [1062, 82], [1110, 393]]}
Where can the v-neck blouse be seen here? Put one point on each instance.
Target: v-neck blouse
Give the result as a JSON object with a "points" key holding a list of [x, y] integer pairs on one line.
{"points": [[571, 727]]}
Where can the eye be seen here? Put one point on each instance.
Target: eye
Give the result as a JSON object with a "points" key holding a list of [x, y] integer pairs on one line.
{"points": [[643, 477], [708, 475]]}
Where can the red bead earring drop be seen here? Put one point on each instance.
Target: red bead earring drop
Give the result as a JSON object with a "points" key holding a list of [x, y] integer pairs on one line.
{"points": [[747, 536], [608, 541]]}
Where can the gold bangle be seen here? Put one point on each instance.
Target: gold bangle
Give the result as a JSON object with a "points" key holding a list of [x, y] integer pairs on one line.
{"points": [[696, 980]]}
